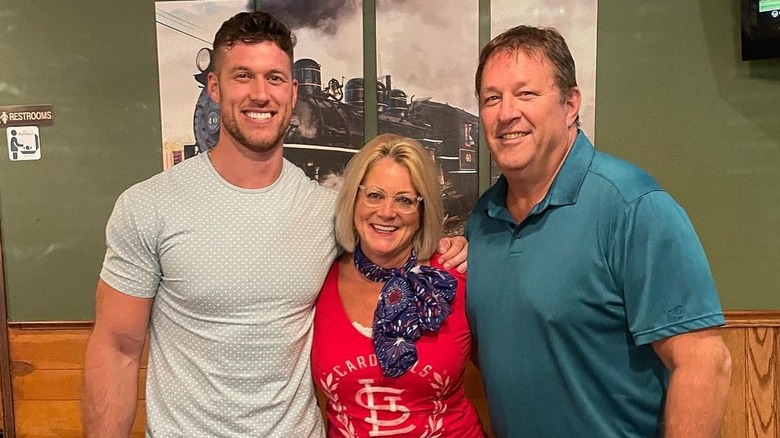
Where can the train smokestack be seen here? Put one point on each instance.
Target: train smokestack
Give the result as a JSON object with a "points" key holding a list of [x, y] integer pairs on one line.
{"points": [[309, 76]]}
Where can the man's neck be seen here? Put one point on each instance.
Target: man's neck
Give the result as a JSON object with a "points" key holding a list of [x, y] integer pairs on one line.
{"points": [[247, 169], [520, 202], [526, 190]]}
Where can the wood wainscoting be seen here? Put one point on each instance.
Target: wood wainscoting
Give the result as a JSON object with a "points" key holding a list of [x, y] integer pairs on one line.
{"points": [[47, 367], [753, 338]]}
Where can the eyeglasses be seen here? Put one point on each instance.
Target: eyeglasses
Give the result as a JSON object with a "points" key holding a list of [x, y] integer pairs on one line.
{"points": [[402, 203]]}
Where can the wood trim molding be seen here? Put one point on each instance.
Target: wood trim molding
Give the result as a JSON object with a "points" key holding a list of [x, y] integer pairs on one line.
{"points": [[752, 318], [51, 325], [734, 318]]}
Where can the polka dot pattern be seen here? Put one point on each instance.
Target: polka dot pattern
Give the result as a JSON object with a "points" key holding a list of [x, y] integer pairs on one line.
{"points": [[234, 274]]}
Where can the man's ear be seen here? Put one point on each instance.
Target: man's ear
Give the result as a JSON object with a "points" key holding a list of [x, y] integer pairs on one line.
{"points": [[294, 92], [212, 85], [573, 103]]}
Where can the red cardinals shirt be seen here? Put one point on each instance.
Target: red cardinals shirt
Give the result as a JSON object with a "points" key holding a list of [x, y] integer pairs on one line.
{"points": [[428, 401]]}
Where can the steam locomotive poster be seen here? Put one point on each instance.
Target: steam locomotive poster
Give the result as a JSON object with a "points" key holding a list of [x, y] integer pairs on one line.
{"points": [[426, 58]]}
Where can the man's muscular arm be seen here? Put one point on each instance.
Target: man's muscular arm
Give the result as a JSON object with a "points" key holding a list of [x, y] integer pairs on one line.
{"points": [[112, 362]]}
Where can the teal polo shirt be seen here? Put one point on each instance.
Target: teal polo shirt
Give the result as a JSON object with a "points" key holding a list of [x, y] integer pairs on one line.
{"points": [[564, 305]]}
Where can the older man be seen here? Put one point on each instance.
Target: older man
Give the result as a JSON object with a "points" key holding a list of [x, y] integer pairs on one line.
{"points": [[592, 303]]}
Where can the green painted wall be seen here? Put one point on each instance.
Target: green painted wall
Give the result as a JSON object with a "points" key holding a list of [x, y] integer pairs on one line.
{"points": [[672, 96], [96, 63]]}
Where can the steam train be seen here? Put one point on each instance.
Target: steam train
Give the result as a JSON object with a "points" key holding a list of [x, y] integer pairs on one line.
{"points": [[326, 129]]}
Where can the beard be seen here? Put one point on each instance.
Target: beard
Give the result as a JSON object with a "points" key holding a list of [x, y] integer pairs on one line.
{"points": [[259, 143]]}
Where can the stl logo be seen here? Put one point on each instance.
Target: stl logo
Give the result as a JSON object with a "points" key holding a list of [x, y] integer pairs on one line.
{"points": [[394, 413]]}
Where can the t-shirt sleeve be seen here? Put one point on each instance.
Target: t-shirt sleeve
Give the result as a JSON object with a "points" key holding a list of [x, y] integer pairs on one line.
{"points": [[667, 284], [131, 264]]}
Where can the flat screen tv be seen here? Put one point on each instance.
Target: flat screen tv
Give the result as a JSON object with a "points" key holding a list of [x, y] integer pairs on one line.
{"points": [[760, 29]]}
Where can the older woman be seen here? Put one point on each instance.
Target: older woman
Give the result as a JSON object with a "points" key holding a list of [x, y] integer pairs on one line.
{"points": [[391, 339]]}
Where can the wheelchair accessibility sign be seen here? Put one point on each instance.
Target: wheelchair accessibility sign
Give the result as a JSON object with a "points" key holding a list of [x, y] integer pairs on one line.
{"points": [[24, 143]]}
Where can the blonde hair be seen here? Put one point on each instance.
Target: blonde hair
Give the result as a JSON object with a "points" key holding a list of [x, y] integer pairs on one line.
{"points": [[423, 170]]}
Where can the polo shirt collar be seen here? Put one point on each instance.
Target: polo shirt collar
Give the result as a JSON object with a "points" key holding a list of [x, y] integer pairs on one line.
{"points": [[565, 187]]}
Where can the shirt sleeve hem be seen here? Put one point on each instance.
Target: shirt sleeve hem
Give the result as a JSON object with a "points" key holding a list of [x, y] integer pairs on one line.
{"points": [[705, 321], [115, 281]]}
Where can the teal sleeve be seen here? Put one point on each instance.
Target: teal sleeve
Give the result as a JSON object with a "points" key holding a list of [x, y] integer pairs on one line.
{"points": [[666, 280]]}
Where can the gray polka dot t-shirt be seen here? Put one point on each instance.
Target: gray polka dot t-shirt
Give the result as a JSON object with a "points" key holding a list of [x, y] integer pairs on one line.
{"points": [[234, 274]]}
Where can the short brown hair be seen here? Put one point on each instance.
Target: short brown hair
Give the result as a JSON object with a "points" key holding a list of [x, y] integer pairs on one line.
{"points": [[252, 28], [533, 41], [423, 171]]}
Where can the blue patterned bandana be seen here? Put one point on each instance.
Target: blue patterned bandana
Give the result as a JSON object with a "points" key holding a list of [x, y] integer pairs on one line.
{"points": [[414, 300]]}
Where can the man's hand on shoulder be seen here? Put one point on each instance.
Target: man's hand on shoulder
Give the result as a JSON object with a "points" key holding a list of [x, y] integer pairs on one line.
{"points": [[454, 253]]}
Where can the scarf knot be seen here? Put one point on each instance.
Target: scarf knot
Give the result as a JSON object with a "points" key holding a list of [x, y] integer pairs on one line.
{"points": [[414, 300]]}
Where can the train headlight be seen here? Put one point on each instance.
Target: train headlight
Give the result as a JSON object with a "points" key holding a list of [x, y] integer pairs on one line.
{"points": [[203, 59]]}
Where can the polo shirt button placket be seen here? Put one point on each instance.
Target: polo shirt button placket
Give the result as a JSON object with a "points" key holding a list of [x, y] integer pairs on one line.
{"points": [[516, 245]]}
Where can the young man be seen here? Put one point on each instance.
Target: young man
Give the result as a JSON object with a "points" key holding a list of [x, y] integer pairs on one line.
{"points": [[220, 259], [592, 304]]}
